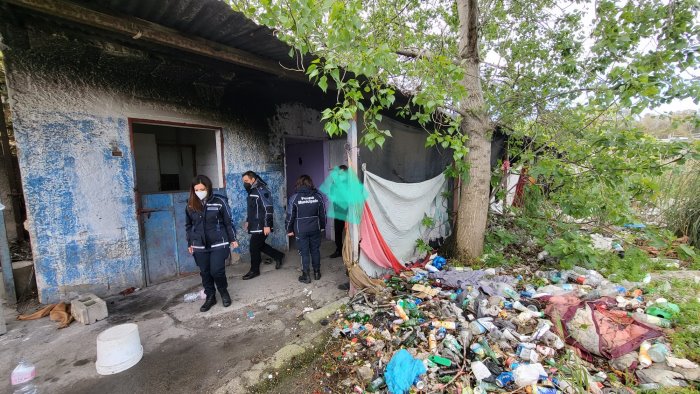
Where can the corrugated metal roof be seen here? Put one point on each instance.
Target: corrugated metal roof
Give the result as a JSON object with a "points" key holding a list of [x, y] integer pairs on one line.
{"points": [[213, 20]]}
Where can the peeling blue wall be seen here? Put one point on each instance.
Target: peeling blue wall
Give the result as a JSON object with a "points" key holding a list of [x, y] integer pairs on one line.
{"points": [[81, 202], [237, 196], [80, 197]]}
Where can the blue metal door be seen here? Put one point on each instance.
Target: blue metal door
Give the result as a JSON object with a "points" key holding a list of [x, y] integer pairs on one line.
{"points": [[160, 238], [165, 241]]}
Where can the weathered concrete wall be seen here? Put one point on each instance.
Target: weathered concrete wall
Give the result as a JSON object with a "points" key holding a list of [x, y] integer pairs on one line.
{"points": [[294, 120], [71, 104], [404, 157]]}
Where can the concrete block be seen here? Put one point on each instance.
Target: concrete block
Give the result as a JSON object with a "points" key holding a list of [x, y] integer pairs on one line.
{"points": [[323, 312], [88, 308]]}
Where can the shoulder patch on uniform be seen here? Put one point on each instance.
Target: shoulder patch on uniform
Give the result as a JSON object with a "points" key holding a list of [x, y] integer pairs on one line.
{"points": [[267, 195]]}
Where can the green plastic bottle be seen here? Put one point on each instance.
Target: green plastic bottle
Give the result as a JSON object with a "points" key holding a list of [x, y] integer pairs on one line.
{"points": [[664, 310]]}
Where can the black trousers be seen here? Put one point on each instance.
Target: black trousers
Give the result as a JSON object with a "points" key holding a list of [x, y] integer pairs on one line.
{"points": [[258, 246], [309, 249], [338, 227], [212, 268]]}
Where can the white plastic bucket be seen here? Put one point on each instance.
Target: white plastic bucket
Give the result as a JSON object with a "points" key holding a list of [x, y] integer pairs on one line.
{"points": [[118, 349]]}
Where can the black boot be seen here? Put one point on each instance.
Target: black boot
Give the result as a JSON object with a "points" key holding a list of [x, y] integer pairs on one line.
{"points": [[278, 263], [251, 275], [305, 277], [317, 274], [225, 298], [208, 303], [335, 254]]}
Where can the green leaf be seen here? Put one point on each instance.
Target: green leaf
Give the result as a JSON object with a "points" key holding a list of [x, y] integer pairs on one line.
{"points": [[323, 83]]}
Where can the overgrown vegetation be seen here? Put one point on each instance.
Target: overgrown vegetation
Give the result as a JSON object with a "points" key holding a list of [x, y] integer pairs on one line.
{"points": [[679, 202], [686, 293]]}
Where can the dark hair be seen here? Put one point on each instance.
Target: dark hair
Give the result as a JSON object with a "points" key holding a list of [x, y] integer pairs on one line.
{"points": [[194, 202], [256, 177], [250, 174], [343, 167], [305, 180]]}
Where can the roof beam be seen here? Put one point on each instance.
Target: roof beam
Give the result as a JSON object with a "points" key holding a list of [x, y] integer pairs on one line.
{"points": [[139, 29]]}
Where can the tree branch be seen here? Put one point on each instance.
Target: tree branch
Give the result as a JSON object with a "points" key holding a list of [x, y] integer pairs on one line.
{"points": [[422, 54]]}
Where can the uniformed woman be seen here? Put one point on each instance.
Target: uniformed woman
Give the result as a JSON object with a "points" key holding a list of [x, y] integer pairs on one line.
{"points": [[210, 235]]}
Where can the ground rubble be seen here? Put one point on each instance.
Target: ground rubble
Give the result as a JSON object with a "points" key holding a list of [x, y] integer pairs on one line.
{"points": [[436, 328]]}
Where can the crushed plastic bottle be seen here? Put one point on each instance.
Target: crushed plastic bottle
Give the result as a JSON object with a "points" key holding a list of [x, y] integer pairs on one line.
{"points": [[193, 297], [658, 352], [22, 378]]}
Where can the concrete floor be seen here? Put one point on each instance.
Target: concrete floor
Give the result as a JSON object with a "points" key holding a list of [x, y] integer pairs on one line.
{"points": [[185, 351]]}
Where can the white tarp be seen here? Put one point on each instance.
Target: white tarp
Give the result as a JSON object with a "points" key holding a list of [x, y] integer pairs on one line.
{"points": [[399, 209]]}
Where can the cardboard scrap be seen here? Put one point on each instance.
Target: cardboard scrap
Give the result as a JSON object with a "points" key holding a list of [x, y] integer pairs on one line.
{"points": [[425, 291]]}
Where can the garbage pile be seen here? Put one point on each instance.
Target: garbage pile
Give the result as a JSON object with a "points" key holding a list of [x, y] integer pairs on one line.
{"points": [[442, 329]]}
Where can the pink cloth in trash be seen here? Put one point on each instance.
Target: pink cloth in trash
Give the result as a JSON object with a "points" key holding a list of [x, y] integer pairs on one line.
{"points": [[373, 245]]}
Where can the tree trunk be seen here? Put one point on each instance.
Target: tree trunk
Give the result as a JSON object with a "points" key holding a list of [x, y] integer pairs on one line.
{"points": [[474, 193]]}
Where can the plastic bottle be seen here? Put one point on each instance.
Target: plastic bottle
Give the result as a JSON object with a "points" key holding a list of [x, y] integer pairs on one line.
{"points": [[555, 276], [664, 310], [520, 307], [22, 378], [398, 310], [478, 350], [508, 292], [488, 351], [448, 325], [611, 290], [476, 328], [648, 319], [657, 352], [644, 359], [525, 317], [376, 385], [432, 341]]}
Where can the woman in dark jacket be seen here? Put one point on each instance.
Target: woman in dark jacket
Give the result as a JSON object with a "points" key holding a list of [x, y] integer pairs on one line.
{"points": [[210, 235], [306, 219]]}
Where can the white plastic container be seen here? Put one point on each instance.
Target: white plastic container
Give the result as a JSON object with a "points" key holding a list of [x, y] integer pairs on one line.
{"points": [[118, 349]]}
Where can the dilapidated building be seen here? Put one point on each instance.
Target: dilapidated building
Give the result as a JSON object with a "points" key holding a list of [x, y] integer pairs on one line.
{"points": [[117, 104]]}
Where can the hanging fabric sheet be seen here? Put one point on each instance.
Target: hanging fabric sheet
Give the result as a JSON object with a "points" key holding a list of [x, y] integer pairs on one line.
{"points": [[397, 211]]}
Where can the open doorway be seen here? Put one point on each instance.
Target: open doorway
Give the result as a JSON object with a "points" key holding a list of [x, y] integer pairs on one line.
{"points": [[304, 157], [315, 158], [166, 158]]}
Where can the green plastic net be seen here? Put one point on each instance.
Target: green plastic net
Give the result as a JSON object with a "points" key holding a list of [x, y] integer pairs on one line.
{"points": [[346, 193]]}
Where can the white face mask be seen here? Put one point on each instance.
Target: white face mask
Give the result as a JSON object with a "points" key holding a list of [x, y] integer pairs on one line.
{"points": [[201, 194]]}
